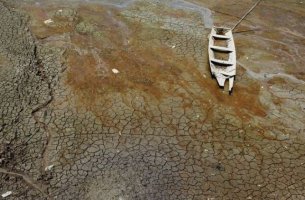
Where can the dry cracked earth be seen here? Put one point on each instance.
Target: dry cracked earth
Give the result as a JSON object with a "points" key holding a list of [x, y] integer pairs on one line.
{"points": [[113, 99]]}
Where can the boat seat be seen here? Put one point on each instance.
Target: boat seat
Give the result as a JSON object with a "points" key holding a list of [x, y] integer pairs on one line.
{"points": [[221, 36], [222, 49], [221, 62]]}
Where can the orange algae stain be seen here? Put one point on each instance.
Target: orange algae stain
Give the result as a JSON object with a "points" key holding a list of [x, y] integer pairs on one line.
{"points": [[143, 69], [82, 71], [143, 66], [140, 69], [84, 79], [245, 99]]}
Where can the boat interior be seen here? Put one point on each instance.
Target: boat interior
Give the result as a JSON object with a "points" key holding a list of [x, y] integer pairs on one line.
{"points": [[221, 49]]}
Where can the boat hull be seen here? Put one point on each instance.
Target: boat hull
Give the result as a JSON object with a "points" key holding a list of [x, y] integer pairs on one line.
{"points": [[222, 56]]}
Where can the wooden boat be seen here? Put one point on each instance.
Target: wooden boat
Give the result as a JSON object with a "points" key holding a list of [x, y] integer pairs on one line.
{"points": [[222, 56]]}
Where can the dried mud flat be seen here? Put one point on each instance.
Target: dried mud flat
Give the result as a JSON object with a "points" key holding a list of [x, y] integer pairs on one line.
{"points": [[114, 100]]}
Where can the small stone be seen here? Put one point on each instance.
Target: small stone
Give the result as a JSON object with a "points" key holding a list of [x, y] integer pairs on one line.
{"points": [[48, 168], [48, 21], [115, 71], [6, 194]]}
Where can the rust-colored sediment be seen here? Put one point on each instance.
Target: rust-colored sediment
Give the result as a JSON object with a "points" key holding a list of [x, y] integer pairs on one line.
{"points": [[142, 65]]}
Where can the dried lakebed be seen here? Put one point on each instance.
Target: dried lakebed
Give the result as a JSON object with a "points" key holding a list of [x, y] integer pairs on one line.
{"points": [[114, 100]]}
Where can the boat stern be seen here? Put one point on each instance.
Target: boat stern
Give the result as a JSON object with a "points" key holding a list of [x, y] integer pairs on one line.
{"points": [[221, 80]]}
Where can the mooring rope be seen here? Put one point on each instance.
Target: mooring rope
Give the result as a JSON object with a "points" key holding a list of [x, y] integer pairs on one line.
{"points": [[245, 15]]}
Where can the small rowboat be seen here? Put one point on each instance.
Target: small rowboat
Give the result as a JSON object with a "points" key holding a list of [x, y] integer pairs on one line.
{"points": [[222, 56]]}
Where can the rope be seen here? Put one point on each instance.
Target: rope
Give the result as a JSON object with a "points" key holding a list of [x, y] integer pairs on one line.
{"points": [[246, 14]]}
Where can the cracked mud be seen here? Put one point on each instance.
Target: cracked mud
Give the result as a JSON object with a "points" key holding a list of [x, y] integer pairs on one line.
{"points": [[159, 127]]}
